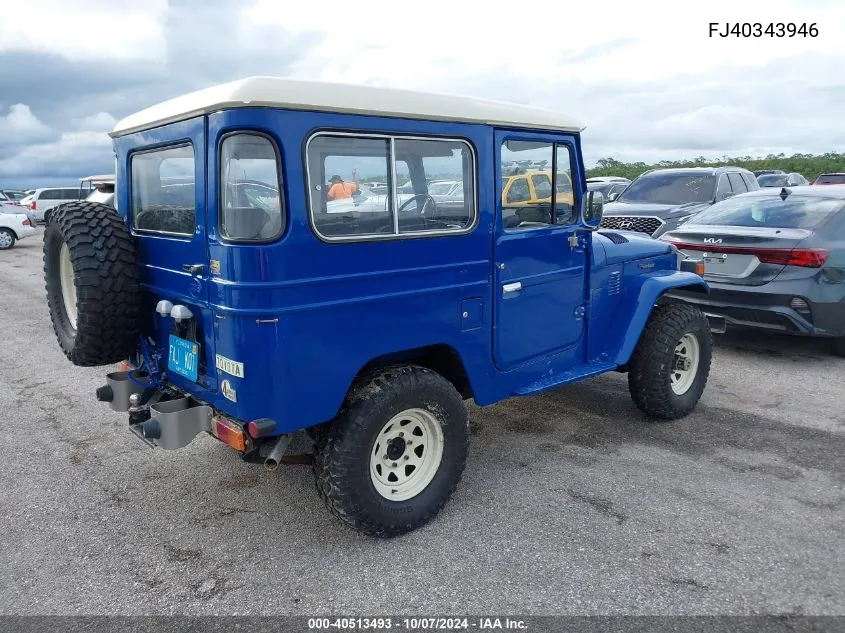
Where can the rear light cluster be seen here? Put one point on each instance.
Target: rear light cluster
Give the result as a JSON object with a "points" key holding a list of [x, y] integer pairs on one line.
{"points": [[26, 222], [806, 257], [32, 206]]}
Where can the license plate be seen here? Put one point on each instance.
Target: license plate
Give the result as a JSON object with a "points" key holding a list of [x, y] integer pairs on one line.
{"points": [[184, 357]]}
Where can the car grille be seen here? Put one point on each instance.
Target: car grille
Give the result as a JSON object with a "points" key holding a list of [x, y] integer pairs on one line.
{"points": [[640, 224]]}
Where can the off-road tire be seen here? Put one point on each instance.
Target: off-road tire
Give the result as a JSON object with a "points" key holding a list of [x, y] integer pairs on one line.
{"points": [[342, 456], [105, 274], [649, 379], [839, 346], [11, 235]]}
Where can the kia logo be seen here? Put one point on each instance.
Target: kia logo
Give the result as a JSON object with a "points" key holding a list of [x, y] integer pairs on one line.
{"points": [[712, 240]]}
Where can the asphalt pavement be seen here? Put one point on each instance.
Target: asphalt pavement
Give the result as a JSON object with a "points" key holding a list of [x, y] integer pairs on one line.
{"points": [[571, 502]]}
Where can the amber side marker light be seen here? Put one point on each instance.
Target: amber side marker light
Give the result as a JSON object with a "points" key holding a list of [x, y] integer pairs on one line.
{"points": [[229, 433]]}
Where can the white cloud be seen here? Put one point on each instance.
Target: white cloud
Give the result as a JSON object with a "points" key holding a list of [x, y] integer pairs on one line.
{"points": [[99, 29], [21, 125]]}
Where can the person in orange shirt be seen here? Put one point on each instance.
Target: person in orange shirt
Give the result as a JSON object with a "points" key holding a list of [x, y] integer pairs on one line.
{"points": [[340, 190]]}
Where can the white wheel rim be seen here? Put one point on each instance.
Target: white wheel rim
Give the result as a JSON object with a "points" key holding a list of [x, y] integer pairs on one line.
{"points": [[406, 455], [68, 286], [685, 364], [5, 239]]}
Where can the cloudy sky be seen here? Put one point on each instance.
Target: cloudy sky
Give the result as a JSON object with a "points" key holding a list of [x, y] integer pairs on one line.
{"points": [[645, 77]]}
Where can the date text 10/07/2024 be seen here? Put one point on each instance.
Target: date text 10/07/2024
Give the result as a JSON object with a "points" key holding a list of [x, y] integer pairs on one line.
{"points": [[758, 29]]}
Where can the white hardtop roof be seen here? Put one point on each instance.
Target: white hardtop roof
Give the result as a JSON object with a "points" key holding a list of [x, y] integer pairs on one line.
{"points": [[294, 94], [103, 178]]}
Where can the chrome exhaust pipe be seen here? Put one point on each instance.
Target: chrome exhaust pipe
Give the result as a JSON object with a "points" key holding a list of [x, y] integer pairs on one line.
{"points": [[274, 457]]}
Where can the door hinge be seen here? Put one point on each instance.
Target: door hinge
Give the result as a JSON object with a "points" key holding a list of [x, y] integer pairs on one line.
{"points": [[574, 241]]}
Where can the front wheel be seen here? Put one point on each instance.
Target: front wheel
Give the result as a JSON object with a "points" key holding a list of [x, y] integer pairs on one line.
{"points": [[393, 457], [671, 363]]}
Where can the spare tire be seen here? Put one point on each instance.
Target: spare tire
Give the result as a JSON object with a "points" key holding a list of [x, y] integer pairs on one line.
{"points": [[91, 273]]}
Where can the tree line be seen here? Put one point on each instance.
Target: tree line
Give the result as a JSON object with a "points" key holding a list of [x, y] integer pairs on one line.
{"points": [[808, 165]]}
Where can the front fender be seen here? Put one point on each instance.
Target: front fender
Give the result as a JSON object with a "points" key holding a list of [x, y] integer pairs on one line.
{"points": [[644, 292]]}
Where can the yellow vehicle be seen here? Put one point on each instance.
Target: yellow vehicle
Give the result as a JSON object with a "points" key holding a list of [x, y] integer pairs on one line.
{"points": [[534, 189]]}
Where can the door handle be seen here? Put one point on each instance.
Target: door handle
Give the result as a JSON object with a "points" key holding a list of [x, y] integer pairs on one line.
{"points": [[512, 288], [194, 269]]}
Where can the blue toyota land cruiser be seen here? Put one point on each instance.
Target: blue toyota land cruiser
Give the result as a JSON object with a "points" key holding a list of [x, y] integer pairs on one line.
{"points": [[252, 284]]}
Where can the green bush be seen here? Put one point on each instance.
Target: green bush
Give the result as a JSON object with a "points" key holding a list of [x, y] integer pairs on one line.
{"points": [[808, 165]]}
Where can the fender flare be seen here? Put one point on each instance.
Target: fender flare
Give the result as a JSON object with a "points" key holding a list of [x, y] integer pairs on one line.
{"points": [[651, 288]]}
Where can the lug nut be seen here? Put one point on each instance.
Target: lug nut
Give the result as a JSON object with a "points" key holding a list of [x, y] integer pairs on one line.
{"points": [[407, 457], [393, 465]]}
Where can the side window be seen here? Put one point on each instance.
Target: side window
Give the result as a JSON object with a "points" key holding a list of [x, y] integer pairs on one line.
{"points": [[425, 160], [737, 183], [551, 203], [542, 186], [724, 185], [163, 194], [750, 182], [521, 158], [250, 197], [49, 194], [518, 191], [343, 206]]}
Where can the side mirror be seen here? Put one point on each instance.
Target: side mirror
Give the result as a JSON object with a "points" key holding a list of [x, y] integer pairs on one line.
{"points": [[591, 209], [613, 196]]}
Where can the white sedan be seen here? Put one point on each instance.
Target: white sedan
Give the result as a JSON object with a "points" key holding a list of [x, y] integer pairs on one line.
{"points": [[13, 227]]}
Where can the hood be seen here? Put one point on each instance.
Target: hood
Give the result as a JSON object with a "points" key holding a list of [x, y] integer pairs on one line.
{"points": [[662, 211], [627, 246]]}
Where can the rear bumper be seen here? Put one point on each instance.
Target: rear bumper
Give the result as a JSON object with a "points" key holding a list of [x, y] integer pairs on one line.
{"points": [[768, 311], [25, 231]]}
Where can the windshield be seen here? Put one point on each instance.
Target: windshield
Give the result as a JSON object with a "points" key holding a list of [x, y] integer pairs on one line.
{"points": [[831, 179], [796, 212], [772, 180], [670, 188]]}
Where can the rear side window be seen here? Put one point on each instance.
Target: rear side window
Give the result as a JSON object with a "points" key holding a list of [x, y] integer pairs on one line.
{"points": [[831, 179], [343, 205], [163, 194], [737, 183], [49, 194], [750, 182], [251, 198]]}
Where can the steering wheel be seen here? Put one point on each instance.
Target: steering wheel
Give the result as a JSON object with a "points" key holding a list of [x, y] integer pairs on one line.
{"points": [[428, 199]]}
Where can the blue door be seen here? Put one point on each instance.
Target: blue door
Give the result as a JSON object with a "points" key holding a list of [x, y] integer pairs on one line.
{"points": [[165, 204], [540, 253]]}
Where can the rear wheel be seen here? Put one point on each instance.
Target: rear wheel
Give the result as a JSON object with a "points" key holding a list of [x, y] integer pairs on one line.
{"points": [[92, 283], [393, 457], [7, 239], [670, 365]]}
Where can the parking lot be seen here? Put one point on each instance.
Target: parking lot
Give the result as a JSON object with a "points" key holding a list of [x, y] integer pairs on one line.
{"points": [[571, 502]]}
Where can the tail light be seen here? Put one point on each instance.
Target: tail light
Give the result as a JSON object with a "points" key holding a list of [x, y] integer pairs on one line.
{"points": [[228, 432], [26, 222], [806, 257], [32, 205]]}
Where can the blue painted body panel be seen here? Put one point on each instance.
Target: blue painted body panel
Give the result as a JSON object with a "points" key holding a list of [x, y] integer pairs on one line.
{"points": [[304, 316]]}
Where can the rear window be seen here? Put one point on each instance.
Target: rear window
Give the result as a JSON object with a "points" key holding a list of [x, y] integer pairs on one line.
{"points": [[772, 180], [163, 196], [796, 212], [831, 179], [670, 188]]}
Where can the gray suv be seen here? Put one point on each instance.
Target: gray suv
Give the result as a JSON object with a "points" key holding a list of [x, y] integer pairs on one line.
{"points": [[663, 199]]}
